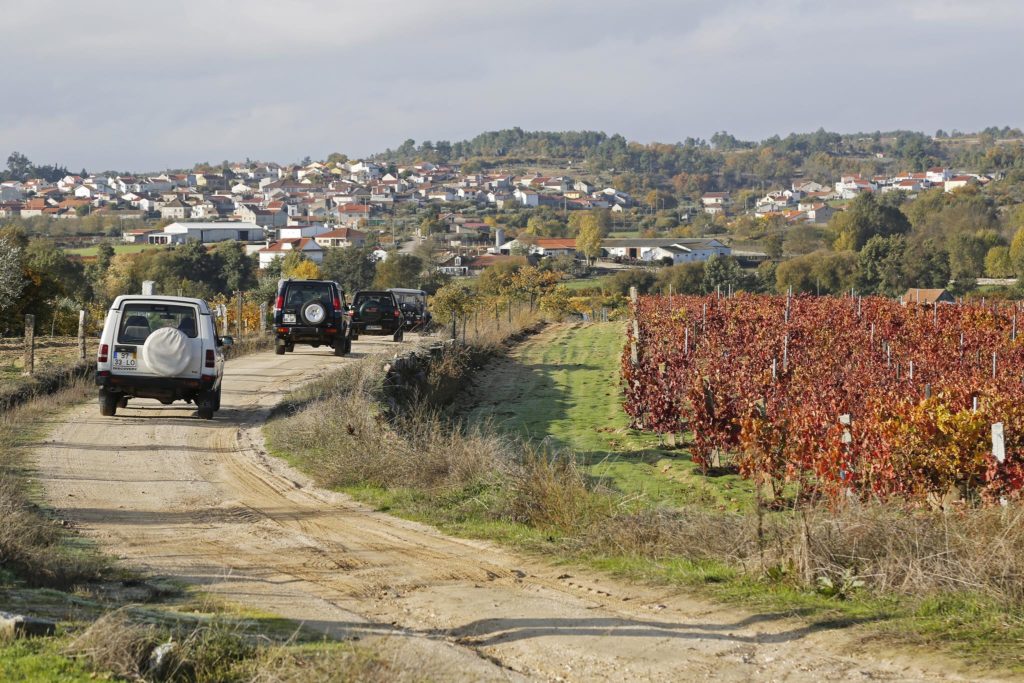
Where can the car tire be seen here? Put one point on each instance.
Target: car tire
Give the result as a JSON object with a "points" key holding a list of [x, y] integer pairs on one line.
{"points": [[354, 336], [279, 349], [348, 346], [108, 403], [399, 335], [122, 402], [290, 348], [205, 406], [216, 400], [339, 346]]}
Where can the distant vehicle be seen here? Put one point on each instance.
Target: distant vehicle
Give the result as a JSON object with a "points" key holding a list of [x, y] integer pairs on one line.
{"points": [[413, 303], [311, 312], [160, 347], [376, 312]]}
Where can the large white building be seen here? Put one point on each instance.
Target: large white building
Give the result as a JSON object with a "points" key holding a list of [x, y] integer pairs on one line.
{"points": [[679, 249], [181, 232]]}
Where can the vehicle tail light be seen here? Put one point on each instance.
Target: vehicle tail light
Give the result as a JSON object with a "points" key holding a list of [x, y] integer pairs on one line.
{"points": [[210, 358], [279, 303], [104, 355], [337, 304], [396, 312]]}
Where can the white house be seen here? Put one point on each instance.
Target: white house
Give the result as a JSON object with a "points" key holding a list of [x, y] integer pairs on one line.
{"points": [[342, 237], [281, 248], [298, 231]]}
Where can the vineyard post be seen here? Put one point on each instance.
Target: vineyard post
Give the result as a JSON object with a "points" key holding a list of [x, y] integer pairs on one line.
{"points": [[718, 291], [993, 365], [632, 294], [789, 296], [961, 345], [704, 318], [888, 356], [935, 314], [729, 295], [510, 312], [775, 371], [927, 391], [858, 306], [686, 340], [1013, 331], [634, 354], [455, 330], [785, 354], [30, 344], [239, 304], [872, 335], [911, 371], [497, 320], [974, 404], [998, 442], [670, 293], [464, 319], [81, 334]]}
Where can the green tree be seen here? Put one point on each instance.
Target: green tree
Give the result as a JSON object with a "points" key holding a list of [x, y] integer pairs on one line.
{"points": [[453, 300], [352, 267], [398, 270], [967, 254], [1017, 252], [12, 280], [865, 218], [880, 266], [997, 262], [685, 278], [238, 268], [721, 272], [588, 240]]}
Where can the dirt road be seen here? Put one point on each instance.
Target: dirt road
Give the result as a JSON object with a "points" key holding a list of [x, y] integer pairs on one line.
{"points": [[201, 502]]}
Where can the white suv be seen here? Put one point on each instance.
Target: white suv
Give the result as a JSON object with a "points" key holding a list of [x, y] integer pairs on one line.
{"points": [[162, 347]]}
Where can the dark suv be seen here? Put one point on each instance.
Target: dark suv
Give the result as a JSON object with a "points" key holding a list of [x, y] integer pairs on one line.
{"points": [[311, 312], [376, 312], [413, 303]]}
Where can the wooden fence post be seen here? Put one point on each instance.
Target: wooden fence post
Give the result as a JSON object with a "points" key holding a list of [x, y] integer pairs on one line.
{"points": [[30, 344], [81, 334]]}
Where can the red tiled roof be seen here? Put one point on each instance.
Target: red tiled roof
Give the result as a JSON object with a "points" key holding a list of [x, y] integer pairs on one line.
{"points": [[556, 243]]}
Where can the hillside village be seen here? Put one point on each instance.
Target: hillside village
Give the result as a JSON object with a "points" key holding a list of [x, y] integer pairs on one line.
{"points": [[275, 209]]}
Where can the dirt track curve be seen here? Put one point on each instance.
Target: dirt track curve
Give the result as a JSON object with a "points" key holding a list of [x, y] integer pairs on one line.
{"points": [[203, 503]]}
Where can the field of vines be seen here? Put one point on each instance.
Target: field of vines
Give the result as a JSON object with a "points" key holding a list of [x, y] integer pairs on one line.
{"points": [[836, 396]]}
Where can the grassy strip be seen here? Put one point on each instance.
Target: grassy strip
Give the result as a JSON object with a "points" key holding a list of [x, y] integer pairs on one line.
{"points": [[914, 576]]}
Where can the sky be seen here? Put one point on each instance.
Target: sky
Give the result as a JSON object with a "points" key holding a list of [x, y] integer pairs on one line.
{"points": [[113, 85]]}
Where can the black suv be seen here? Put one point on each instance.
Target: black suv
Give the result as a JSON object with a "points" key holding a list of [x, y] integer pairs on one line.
{"points": [[311, 312], [413, 303], [376, 312]]}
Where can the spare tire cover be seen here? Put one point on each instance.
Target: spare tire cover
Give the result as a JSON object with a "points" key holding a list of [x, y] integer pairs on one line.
{"points": [[167, 352], [314, 313]]}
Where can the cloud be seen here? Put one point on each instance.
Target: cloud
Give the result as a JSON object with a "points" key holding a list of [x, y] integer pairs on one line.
{"points": [[136, 85]]}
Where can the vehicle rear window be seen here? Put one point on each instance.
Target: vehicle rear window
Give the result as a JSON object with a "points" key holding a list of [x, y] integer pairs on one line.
{"points": [[383, 300], [300, 293], [139, 320], [404, 299]]}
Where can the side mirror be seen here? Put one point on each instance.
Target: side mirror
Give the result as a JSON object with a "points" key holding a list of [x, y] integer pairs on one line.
{"points": [[226, 341]]}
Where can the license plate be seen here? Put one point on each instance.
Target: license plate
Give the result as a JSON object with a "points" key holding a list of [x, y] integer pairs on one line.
{"points": [[289, 317], [125, 360], [374, 327]]}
